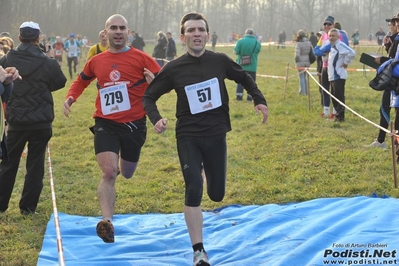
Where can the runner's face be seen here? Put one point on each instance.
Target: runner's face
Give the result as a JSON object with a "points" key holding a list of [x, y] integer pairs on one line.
{"points": [[117, 33], [195, 36], [103, 37]]}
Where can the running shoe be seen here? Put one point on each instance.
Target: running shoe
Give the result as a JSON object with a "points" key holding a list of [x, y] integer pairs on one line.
{"points": [[105, 231], [331, 116], [201, 259], [376, 144], [322, 115]]}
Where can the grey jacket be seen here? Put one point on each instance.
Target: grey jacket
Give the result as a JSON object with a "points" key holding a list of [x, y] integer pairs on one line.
{"points": [[302, 50]]}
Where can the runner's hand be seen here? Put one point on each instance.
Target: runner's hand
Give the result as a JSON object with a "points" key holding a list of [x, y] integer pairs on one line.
{"points": [[67, 105], [265, 111], [149, 76], [160, 126]]}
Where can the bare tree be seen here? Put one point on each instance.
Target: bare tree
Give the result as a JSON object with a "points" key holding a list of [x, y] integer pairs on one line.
{"points": [[267, 17]]}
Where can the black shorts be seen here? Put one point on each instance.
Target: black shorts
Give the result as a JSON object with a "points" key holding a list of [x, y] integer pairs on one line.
{"points": [[125, 139]]}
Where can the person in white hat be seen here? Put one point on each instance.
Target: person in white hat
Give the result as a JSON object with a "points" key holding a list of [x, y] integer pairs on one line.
{"points": [[29, 114]]}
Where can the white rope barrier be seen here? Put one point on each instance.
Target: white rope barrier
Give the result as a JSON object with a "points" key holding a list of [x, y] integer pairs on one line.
{"points": [[348, 69], [61, 259], [347, 107], [270, 76]]}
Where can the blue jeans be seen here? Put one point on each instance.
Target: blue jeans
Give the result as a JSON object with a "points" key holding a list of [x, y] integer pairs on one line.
{"points": [[160, 62], [303, 83], [240, 88]]}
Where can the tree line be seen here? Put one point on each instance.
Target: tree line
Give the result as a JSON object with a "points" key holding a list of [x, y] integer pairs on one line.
{"points": [[266, 17]]}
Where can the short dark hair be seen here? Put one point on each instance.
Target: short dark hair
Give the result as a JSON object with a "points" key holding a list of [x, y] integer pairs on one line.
{"points": [[192, 16], [28, 40], [337, 25]]}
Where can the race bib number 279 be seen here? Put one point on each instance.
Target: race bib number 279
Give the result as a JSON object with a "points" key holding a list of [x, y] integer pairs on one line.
{"points": [[114, 99], [203, 96]]}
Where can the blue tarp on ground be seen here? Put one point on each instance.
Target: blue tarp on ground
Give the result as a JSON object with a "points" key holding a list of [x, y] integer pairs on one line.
{"points": [[327, 231]]}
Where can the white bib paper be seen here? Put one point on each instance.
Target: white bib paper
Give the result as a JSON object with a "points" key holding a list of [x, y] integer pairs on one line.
{"points": [[203, 96], [114, 99]]}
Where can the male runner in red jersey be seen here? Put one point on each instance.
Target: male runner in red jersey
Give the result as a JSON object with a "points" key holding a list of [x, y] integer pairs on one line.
{"points": [[122, 74]]}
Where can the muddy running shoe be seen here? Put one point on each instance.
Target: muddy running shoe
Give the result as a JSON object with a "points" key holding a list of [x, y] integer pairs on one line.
{"points": [[322, 115], [105, 231], [331, 116], [201, 259]]}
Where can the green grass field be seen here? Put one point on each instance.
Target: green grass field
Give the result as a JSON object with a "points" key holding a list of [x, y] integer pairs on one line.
{"points": [[296, 156]]}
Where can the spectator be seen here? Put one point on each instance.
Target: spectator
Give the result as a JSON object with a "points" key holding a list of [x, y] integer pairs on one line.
{"points": [[214, 40], [342, 33], [1, 49], [389, 41], [29, 113], [313, 39], [130, 37], [356, 38], [380, 36], [328, 24], [281, 40], [319, 67], [5, 34], [247, 46], [46, 46], [7, 76], [8, 43], [391, 45], [138, 42], [159, 49], [302, 50], [170, 47], [340, 56]]}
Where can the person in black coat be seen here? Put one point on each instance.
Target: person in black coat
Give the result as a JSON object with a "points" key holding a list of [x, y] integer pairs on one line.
{"points": [[391, 44], [159, 49], [138, 42], [29, 114]]}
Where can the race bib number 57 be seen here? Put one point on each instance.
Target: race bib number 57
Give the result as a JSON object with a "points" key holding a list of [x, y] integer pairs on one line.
{"points": [[114, 99], [203, 96]]}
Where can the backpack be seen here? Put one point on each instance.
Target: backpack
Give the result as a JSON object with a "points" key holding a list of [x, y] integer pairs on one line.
{"points": [[312, 57], [384, 80]]}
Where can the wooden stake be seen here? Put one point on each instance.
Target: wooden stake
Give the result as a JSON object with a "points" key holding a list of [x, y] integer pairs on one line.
{"points": [[308, 76], [286, 79]]}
